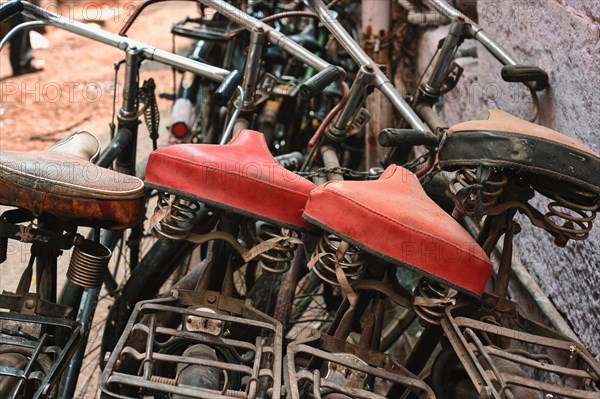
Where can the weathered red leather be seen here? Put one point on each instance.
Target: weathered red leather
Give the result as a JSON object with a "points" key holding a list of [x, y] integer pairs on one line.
{"points": [[242, 175], [394, 219]]}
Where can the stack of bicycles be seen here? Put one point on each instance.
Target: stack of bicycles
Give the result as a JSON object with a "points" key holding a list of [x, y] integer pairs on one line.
{"points": [[319, 275]]}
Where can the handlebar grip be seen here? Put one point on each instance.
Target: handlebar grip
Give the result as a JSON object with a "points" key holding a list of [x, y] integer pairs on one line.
{"points": [[406, 137], [227, 87], [313, 86], [526, 74], [9, 9]]}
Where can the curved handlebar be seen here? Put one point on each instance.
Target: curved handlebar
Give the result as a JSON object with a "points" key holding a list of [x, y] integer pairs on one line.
{"points": [[9, 9], [478, 34], [537, 77], [147, 51], [361, 58]]}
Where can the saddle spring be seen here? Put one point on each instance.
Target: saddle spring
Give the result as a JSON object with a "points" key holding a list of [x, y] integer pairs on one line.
{"points": [[279, 258], [330, 252], [430, 300], [88, 263], [174, 217], [577, 209], [475, 193]]}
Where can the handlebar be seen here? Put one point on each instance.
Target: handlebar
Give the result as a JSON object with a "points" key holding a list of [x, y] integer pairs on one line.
{"points": [[147, 51], [490, 44], [406, 138], [320, 81], [9, 9], [225, 91], [357, 53], [524, 74]]}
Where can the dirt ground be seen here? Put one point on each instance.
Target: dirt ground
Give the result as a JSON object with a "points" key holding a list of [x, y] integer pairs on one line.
{"points": [[74, 92]]}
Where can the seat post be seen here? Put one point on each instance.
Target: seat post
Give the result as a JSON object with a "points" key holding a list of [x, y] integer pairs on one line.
{"points": [[504, 270]]}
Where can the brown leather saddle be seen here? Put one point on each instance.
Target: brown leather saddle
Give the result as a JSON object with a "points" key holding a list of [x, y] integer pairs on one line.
{"points": [[63, 182], [501, 140]]}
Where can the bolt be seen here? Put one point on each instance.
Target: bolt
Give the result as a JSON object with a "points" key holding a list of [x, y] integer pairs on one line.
{"points": [[30, 304], [211, 298]]}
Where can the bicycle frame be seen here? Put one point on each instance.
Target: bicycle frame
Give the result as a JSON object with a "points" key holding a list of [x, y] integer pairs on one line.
{"points": [[121, 149]]}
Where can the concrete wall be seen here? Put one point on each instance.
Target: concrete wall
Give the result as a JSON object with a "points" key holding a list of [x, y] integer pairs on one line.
{"points": [[563, 37]]}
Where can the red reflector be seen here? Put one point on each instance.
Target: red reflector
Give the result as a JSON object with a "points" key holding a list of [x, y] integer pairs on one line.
{"points": [[179, 130]]}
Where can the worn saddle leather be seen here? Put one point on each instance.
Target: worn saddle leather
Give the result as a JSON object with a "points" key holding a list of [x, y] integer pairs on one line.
{"points": [[502, 140], [64, 183], [241, 176], [394, 219]]}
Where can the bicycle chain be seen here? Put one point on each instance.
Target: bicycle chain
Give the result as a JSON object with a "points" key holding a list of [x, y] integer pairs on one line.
{"points": [[322, 172], [374, 174]]}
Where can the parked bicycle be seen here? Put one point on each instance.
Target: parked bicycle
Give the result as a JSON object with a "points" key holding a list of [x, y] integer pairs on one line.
{"points": [[44, 336]]}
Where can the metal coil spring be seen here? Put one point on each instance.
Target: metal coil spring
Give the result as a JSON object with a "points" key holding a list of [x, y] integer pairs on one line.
{"points": [[431, 299], [88, 264], [3, 248], [577, 216], [485, 194], [163, 380], [175, 216], [326, 259], [279, 258]]}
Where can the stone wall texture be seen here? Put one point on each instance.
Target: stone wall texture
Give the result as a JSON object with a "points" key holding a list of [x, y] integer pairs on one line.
{"points": [[562, 37]]}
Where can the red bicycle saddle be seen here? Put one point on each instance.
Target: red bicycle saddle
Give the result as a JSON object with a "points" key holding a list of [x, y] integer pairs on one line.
{"points": [[241, 176], [62, 182], [502, 140], [394, 219]]}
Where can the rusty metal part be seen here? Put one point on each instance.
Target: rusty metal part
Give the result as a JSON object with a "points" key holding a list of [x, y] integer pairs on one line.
{"points": [[419, 356], [88, 264], [206, 325], [475, 191], [341, 356], [499, 195], [46, 358], [524, 345], [278, 259], [174, 217], [343, 375], [325, 261], [287, 288], [577, 213], [330, 160], [264, 339], [395, 292], [504, 269], [431, 299]]}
